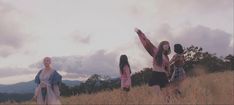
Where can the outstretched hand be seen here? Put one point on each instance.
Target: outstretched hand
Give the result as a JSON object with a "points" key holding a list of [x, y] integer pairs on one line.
{"points": [[146, 42], [138, 31], [34, 98]]}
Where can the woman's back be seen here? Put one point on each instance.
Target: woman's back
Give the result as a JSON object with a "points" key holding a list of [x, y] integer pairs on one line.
{"points": [[179, 60], [126, 77]]}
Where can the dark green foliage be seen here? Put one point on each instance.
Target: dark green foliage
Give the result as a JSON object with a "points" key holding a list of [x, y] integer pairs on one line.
{"points": [[15, 97]]}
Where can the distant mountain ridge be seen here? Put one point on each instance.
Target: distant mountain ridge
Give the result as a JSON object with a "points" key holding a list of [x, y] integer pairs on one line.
{"points": [[28, 87]]}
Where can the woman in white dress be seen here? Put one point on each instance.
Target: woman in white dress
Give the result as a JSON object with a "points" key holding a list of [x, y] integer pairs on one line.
{"points": [[47, 80]]}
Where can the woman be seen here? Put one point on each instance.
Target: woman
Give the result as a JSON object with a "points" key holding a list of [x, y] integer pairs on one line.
{"points": [[47, 80], [161, 66], [125, 73], [178, 71]]}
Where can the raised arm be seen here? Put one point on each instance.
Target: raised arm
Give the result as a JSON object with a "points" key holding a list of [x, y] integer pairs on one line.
{"points": [[146, 43]]}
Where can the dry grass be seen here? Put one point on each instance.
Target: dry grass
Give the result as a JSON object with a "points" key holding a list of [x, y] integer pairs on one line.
{"points": [[216, 88]]}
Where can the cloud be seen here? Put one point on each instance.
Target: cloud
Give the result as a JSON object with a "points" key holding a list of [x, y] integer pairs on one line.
{"points": [[205, 23], [206, 6], [180, 6], [151, 13], [9, 71], [75, 76], [11, 36], [100, 62], [211, 40], [81, 38]]}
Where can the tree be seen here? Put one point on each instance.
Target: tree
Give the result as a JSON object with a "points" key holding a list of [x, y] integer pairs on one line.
{"points": [[141, 77], [194, 56], [229, 61], [65, 90]]}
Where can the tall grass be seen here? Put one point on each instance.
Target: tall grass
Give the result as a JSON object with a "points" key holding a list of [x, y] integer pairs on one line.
{"points": [[215, 88]]}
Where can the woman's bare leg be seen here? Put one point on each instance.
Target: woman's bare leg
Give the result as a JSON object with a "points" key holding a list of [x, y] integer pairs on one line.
{"points": [[157, 90], [179, 86], [166, 93]]}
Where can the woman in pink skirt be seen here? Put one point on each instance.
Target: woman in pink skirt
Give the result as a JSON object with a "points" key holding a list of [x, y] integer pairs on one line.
{"points": [[125, 72]]}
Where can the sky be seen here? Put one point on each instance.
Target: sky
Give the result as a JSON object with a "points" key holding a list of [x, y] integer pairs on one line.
{"points": [[86, 37]]}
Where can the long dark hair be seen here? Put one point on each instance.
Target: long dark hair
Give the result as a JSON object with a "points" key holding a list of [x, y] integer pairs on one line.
{"points": [[178, 48], [159, 55], [122, 62]]}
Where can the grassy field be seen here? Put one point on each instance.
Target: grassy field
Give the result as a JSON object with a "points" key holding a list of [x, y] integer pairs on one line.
{"points": [[215, 88]]}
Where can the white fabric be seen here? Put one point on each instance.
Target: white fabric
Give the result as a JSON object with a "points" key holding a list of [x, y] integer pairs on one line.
{"points": [[52, 96]]}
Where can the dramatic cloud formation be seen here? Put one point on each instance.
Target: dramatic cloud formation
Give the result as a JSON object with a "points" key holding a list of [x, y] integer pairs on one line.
{"points": [[217, 14], [101, 62], [211, 40], [11, 37], [10, 72], [78, 37], [62, 29]]}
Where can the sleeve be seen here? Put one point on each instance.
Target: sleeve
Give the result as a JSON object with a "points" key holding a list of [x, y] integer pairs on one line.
{"points": [[151, 49], [56, 79], [37, 79]]}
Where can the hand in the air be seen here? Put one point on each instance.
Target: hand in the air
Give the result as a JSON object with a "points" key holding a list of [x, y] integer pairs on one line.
{"points": [[138, 31]]}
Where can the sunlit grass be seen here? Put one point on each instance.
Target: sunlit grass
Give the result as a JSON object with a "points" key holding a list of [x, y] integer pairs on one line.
{"points": [[215, 88]]}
